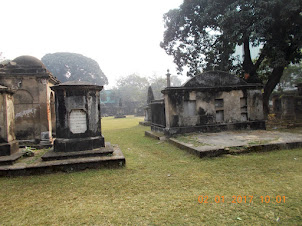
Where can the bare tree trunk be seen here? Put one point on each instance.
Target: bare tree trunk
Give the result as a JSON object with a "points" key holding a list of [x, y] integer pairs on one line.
{"points": [[273, 80]]}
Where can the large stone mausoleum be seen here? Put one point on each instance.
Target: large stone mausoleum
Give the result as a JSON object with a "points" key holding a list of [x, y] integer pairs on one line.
{"points": [[33, 98], [209, 102]]}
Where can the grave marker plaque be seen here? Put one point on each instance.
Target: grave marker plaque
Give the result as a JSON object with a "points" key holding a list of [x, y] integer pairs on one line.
{"points": [[77, 121]]}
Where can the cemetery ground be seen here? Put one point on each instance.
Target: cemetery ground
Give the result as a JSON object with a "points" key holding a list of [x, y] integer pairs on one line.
{"points": [[161, 184]]}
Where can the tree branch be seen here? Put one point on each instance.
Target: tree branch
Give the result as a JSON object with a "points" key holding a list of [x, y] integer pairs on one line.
{"points": [[247, 60]]}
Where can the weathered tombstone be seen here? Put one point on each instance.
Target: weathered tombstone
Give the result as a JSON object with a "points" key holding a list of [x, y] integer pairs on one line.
{"points": [[120, 110], [150, 98], [78, 117], [277, 108], [79, 143], [147, 109], [150, 95], [288, 107], [157, 107], [8, 143]]}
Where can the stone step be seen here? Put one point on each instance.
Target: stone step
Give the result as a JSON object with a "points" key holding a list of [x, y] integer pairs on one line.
{"points": [[51, 155], [115, 160], [10, 159]]}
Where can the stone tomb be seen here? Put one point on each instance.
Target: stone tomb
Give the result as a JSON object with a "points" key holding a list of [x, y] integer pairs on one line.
{"points": [[78, 125], [120, 110], [147, 109], [78, 117], [33, 99], [288, 105], [210, 102], [8, 143], [9, 146]]}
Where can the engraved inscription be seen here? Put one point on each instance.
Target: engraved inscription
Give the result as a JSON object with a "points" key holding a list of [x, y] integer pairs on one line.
{"points": [[77, 121]]}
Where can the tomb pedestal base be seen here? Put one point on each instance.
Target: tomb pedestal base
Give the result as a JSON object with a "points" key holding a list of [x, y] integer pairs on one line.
{"points": [[209, 128], [103, 151], [78, 144], [9, 148]]}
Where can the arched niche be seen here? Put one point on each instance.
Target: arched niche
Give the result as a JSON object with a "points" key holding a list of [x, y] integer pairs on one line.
{"points": [[24, 115], [23, 97]]}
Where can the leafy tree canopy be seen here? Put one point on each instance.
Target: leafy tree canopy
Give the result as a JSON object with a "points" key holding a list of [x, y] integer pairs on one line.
{"points": [[202, 34], [74, 67], [158, 83], [133, 88]]}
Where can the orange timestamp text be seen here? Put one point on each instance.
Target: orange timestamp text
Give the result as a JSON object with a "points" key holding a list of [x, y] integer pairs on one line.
{"points": [[241, 199]]}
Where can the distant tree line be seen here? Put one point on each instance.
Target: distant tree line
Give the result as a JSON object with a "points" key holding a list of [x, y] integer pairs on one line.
{"points": [[134, 88]]}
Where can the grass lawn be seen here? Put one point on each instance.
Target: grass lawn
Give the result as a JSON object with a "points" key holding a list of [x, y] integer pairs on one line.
{"points": [[160, 185]]}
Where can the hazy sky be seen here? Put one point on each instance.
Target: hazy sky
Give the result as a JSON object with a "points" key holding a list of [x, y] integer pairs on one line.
{"points": [[123, 36]]}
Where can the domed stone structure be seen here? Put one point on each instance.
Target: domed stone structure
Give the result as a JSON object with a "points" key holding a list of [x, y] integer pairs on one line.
{"points": [[209, 102], [33, 98], [29, 61], [25, 65]]}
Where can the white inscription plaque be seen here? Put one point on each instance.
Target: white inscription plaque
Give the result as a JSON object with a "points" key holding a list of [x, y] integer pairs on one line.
{"points": [[77, 121]]}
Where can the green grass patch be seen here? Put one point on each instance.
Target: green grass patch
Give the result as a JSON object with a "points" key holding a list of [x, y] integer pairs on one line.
{"points": [[159, 185]]}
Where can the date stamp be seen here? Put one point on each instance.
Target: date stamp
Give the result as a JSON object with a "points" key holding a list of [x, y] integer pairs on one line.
{"points": [[204, 199]]}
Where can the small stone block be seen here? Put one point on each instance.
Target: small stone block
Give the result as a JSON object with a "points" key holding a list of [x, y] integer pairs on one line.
{"points": [[10, 159], [9, 148]]}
